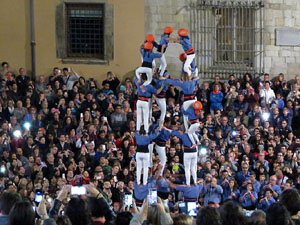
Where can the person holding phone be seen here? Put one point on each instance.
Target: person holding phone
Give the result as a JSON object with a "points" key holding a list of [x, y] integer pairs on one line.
{"points": [[142, 153], [69, 77]]}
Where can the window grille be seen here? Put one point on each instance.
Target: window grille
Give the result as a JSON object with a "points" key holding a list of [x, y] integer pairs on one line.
{"points": [[227, 37], [85, 30]]}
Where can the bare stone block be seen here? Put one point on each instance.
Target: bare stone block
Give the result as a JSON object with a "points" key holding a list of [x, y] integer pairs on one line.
{"points": [[285, 53], [279, 22], [292, 70], [271, 53], [289, 22], [290, 59]]}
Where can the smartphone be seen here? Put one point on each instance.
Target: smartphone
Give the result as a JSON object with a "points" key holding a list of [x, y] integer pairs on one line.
{"points": [[42, 164], [81, 115], [38, 197], [192, 208], [182, 207], [63, 176], [104, 118], [9, 126], [152, 196], [98, 178], [104, 147], [33, 207], [128, 200], [78, 190], [115, 179]]}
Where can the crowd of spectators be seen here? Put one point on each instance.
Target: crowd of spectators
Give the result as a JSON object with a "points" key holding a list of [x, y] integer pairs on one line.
{"points": [[63, 130]]}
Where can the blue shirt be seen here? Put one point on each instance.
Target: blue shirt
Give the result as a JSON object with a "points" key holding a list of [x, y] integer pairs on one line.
{"points": [[241, 178], [149, 89], [264, 205], [185, 42], [162, 185], [212, 194], [186, 141], [190, 112], [149, 56], [227, 192], [190, 192], [188, 87], [141, 192], [143, 139], [248, 202], [158, 83], [163, 40], [164, 134]]}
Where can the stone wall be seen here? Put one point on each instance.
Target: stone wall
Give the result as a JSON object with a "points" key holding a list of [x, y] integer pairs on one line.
{"points": [[161, 13], [277, 14], [279, 59]]}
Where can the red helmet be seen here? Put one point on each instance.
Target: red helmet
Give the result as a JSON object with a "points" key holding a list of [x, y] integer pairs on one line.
{"points": [[182, 57], [197, 106], [150, 38], [148, 46], [182, 32], [168, 30]]}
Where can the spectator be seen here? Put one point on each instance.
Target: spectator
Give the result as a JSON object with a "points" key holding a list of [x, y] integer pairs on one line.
{"points": [[22, 213], [216, 98], [291, 200], [277, 214], [208, 216], [112, 80], [212, 192], [7, 201], [232, 214], [118, 119]]}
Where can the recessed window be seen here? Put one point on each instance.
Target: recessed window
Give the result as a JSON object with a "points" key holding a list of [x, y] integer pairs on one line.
{"points": [[85, 30]]}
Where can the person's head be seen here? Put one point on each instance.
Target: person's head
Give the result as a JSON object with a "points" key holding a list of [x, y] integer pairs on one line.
{"points": [[182, 219], [290, 198], [22, 213], [277, 214], [77, 212], [96, 209], [258, 217], [154, 215], [232, 214], [208, 216], [7, 201], [123, 218]]}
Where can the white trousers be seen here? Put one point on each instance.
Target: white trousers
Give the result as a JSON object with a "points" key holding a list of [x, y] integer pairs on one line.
{"points": [[163, 65], [185, 106], [142, 162], [146, 70], [195, 73], [161, 102], [161, 151], [150, 147], [142, 111], [191, 132], [150, 109], [190, 165], [187, 64]]}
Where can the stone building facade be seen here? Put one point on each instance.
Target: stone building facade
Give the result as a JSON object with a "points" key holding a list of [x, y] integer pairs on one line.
{"points": [[277, 14]]}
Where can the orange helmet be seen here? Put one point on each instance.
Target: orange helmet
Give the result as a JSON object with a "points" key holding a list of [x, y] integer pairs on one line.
{"points": [[148, 46], [197, 106], [182, 32], [150, 38], [182, 57], [168, 30]]}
